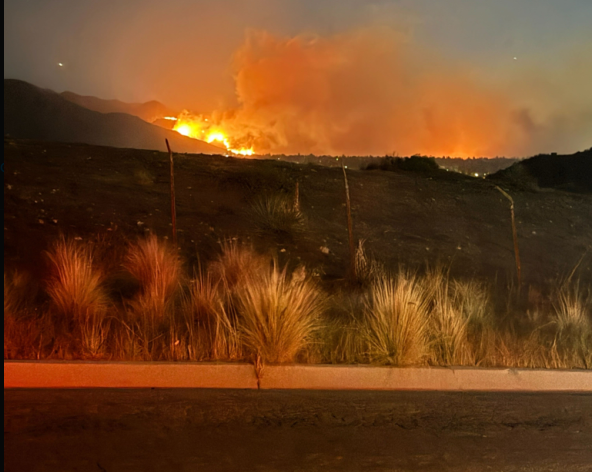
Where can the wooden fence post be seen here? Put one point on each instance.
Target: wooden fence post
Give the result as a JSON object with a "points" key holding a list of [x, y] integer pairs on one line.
{"points": [[173, 197], [350, 225]]}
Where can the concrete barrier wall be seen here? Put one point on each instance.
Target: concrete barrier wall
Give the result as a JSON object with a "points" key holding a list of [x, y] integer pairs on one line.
{"points": [[32, 374]]}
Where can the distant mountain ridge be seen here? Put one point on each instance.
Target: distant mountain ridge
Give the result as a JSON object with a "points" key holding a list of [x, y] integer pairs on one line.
{"points": [[37, 114], [149, 111]]}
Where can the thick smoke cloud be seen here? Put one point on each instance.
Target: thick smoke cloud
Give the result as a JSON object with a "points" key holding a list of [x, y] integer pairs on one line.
{"points": [[376, 92]]}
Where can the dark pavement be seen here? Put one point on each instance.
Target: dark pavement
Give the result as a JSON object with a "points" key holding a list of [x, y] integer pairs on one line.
{"points": [[216, 431]]}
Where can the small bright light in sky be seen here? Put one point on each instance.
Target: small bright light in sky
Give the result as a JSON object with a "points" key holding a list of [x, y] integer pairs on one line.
{"points": [[515, 58], [60, 64]]}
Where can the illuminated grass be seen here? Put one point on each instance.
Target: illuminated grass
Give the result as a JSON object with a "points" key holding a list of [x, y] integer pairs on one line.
{"points": [[395, 323], [459, 321], [237, 264], [211, 332], [79, 300], [278, 315], [158, 269], [243, 306], [573, 320], [75, 285], [23, 336]]}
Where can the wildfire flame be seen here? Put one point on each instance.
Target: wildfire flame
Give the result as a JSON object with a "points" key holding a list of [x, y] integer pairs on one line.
{"points": [[198, 127]]}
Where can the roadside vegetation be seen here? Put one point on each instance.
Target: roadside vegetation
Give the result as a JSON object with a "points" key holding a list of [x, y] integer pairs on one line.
{"points": [[247, 306]]}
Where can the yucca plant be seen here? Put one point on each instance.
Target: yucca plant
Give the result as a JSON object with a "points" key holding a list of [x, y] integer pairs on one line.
{"points": [[278, 214], [368, 270]]}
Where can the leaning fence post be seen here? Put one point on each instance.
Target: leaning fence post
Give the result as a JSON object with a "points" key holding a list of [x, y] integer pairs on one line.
{"points": [[173, 198], [515, 235]]}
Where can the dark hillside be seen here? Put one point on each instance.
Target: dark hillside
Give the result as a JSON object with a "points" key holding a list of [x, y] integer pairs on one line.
{"points": [[43, 115], [406, 217], [571, 173], [149, 111]]}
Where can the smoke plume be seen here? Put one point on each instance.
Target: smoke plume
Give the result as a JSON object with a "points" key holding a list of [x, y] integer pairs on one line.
{"points": [[374, 92]]}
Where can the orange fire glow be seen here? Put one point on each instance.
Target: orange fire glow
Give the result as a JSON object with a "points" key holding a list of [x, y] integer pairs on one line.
{"points": [[199, 127], [365, 92]]}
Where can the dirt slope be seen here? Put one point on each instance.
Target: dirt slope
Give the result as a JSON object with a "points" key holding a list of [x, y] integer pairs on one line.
{"points": [[33, 113], [406, 218]]}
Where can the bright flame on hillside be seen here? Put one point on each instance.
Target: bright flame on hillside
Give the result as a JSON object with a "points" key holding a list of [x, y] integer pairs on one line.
{"points": [[198, 127], [185, 130]]}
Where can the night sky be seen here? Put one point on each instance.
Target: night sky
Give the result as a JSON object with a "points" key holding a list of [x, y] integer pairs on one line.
{"points": [[183, 52]]}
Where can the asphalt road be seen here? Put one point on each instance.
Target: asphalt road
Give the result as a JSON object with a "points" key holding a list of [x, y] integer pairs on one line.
{"points": [[249, 431]]}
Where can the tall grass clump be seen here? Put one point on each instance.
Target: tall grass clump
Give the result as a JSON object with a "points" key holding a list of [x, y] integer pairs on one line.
{"points": [[459, 321], [277, 214], [14, 294], [75, 285], [339, 338], [158, 269], [533, 351], [572, 318], [395, 324], [22, 331], [237, 264], [278, 315], [79, 302], [211, 330]]}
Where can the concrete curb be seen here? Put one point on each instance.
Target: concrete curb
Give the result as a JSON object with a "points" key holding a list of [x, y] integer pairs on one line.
{"points": [[128, 375], [425, 379], [49, 374]]}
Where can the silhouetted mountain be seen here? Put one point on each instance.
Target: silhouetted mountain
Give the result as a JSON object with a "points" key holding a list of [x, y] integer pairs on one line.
{"points": [[37, 114], [572, 173], [149, 111]]}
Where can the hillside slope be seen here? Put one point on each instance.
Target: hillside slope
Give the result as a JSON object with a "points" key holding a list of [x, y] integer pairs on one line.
{"points": [[406, 218], [36, 114], [571, 173]]}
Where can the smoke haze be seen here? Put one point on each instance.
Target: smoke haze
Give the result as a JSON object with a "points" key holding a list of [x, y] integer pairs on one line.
{"points": [[328, 76], [373, 91]]}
